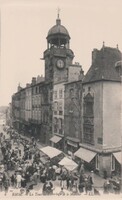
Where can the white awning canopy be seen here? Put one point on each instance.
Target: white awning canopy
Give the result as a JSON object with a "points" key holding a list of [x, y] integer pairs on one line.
{"points": [[85, 154], [55, 139], [68, 164], [118, 156], [51, 152]]}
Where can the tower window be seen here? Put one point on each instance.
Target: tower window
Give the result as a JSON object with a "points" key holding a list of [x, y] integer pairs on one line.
{"points": [[55, 125], [71, 93], [55, 95], [88, 125], [89, 88], [88, 105], [100, 140], [88, 108], [60, 93]]}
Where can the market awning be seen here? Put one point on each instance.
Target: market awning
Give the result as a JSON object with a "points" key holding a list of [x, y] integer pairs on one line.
{"points": [[55, 139], [85, 154], [68, 164], [51, 152], [118, 156]]}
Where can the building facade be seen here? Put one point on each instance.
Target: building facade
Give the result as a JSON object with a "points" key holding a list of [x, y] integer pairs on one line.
{"points": [[59, 69], [58, 116], [9, 115], [72, 116], [16, 109], [101, 113]]}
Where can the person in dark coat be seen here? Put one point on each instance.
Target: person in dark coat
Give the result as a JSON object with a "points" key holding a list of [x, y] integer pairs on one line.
{"points": [[43, 177], [61, 192], [89, 185], [81, 183], [117, 187], [67, 181], [6, 185], [30, 155], [86, 184], [1, 182], [23, 181], [106, 187], [19, 152], [47, 188], [12, 180]]}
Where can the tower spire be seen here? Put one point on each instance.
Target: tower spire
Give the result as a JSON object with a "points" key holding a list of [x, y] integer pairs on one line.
{"points": [[58, 13], [103, 44], [58, 21]]}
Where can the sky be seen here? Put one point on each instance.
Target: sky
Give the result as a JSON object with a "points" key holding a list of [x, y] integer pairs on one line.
{"points": [[24, 25]]}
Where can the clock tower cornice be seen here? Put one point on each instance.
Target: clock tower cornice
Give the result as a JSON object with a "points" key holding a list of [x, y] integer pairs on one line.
{"points": [[59, 52]]}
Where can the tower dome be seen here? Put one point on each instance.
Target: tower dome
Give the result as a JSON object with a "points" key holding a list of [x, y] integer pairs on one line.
{"points": [[58, 29], [58, 34]]}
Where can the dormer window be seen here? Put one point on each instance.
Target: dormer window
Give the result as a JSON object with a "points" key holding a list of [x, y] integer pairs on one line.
{"points": [[118, 67]]}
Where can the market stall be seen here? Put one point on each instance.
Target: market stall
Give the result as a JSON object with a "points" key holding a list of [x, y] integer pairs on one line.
{"points": [[69, 164], [53, 154]]}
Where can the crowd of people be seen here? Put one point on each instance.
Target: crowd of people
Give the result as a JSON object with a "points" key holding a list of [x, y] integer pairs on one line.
{"points": [[112, 186], [22, 168]]}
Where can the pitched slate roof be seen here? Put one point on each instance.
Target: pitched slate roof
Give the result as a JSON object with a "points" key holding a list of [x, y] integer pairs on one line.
{"points": [[103, 65]]}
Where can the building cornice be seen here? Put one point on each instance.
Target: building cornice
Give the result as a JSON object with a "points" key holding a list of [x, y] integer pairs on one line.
{"points": [[102, 150]]}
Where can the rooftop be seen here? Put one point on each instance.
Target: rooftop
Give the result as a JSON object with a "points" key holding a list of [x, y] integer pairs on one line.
{"points": [[103, 65]]}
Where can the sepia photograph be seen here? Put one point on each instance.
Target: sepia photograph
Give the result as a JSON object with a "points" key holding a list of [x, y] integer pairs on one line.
{"points": [[61, 99]]}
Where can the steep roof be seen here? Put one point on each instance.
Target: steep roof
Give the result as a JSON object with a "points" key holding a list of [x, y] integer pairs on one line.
{"points": [[103, 65]]}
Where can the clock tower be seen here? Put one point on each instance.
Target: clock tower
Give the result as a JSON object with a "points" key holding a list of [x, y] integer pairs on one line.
{"points": [[58, 55]]}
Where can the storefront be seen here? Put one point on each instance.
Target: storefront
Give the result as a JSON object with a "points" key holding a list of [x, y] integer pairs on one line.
{"points": [[116, 162], [72, 145], [87, 157], [57, 142]]}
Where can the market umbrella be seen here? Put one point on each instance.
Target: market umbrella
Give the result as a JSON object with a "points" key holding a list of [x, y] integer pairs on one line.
{"points": [[68, 164]]}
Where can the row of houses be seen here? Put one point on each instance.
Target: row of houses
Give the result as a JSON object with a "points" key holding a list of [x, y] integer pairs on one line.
{"points": [[79, 114]]}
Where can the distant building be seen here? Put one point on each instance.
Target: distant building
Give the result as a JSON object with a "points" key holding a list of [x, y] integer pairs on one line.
{"points": [[9, 115], [16, 109]]}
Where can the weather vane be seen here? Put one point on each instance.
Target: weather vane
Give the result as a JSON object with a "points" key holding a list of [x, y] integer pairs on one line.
{"points": [[58, 12]]}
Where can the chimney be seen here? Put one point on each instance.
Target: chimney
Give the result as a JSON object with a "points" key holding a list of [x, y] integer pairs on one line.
{"points": [[94, 55], [33, 80], [81, 76], [19, 87], [27, 85], [40, 78]]}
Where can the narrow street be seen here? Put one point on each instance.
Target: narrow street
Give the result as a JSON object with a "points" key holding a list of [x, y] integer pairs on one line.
{"points": [[37, 188]]}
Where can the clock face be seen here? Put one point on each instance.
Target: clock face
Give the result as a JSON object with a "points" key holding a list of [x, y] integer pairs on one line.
{"points": [[60, 63]]}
